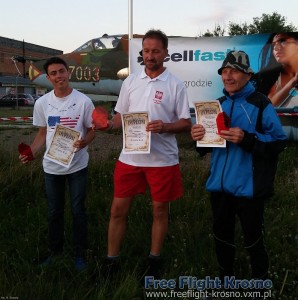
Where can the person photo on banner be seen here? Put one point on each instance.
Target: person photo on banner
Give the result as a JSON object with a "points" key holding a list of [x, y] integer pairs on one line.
{"points": [[278, 75]]}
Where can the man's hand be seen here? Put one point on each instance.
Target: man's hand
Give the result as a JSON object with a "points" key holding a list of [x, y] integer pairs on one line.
{"points": [[234, 135], [100, 118], [156, 126], [80, 144], [25, 153], [197, 132], [97, 126], [23, 159]]}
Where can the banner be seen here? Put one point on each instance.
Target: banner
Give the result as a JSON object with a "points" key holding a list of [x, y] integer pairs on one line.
{"points": [[196, 60]]}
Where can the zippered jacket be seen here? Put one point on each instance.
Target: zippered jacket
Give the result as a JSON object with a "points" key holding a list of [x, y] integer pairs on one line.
{"points": [[248, 169]]}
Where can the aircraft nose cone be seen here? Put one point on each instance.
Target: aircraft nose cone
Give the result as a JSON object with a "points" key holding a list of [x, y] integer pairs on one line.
{"points": [[33, 72], [123, 73]]}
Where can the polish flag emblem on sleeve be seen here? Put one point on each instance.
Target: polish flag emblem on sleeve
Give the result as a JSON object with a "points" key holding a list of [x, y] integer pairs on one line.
{"points": [[158, 97]]}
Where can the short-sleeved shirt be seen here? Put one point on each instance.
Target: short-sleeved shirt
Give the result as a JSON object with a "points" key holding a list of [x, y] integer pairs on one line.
{"points": [[74, 111], [165, 98]]}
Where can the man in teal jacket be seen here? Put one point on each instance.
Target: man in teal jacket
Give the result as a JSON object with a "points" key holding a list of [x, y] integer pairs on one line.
{"points": [[242, 174]]}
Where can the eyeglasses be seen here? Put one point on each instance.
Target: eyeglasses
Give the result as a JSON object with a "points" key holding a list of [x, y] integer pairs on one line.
{"points": [[282, 43]]}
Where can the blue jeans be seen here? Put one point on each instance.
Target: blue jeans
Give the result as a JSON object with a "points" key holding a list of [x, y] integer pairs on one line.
{"points": [[55, 190]]}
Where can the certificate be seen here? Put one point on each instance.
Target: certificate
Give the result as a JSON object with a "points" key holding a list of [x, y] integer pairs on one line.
{"points": [[136, 139], [206, 114], [61, 149]]}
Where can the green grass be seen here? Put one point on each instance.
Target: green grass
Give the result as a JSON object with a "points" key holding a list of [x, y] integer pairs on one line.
{"points": [[11, 112], [188, 248]]}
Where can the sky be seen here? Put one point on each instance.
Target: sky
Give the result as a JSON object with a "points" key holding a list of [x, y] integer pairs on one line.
{"points": [[67, 24]]}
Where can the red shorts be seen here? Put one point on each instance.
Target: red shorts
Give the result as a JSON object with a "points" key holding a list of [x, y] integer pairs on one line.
{"points": [[165, 183]]}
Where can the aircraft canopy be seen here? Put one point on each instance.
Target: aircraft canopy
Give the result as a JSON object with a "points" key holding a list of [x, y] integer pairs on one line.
{"points": [[104, 42]]}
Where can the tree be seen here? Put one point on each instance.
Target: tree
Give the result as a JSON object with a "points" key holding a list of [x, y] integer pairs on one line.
{"points": [[218, 31], [265, 24]]}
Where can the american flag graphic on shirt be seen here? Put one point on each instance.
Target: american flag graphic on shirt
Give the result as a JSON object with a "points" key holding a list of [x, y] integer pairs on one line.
{"points": [[66, 121]]}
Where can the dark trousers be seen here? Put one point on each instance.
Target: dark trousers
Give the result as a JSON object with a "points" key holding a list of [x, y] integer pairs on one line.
{"points": [[225, 208], [55, 190]]}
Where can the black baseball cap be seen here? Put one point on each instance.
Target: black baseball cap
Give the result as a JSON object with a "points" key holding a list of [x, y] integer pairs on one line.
{"points": [[237, 60]]}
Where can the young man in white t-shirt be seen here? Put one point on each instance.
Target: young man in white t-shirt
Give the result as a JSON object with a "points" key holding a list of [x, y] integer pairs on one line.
{"points": [[164, 97], [68, 107]]}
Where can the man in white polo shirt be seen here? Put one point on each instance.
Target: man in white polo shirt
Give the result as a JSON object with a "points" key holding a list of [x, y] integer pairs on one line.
{"points": [[155, 90]]}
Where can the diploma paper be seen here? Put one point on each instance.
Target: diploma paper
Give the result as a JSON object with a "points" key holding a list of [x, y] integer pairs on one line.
{"points": [[206, 113], [135, 137], [61, 150]]}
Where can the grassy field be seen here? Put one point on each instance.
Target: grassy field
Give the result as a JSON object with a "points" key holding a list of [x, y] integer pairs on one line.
{"points": [[188, 249]]}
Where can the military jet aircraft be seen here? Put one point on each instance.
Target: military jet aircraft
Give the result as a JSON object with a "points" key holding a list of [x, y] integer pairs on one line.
{"points": [[97, 67]]}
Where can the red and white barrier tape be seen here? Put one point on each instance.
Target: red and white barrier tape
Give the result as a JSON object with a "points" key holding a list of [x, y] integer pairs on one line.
{"points": [[16, 119], [294, 114]]}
